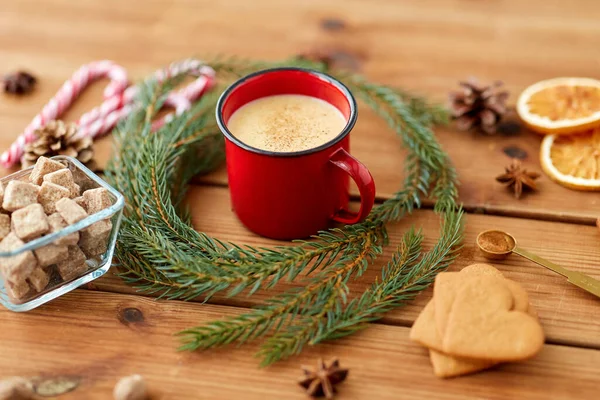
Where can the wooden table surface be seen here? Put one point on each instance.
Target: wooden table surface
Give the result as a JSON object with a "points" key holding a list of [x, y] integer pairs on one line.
{"points": [[97, 333]]}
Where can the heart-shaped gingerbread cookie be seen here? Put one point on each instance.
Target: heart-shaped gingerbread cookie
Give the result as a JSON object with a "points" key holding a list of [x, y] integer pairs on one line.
{"points": [[447, 366], [447, 285], [444, 365], [482, 325], [424, 329]]}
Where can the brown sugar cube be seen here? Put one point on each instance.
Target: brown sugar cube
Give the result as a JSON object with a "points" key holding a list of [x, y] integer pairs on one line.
{"points": [[94, 236], [51, 254], [75, 191], [19, 194], [96, 200], [42, 167], [18, 290], [4, 225], [64, 178], [81, 202], [99, 230], [39, 279], [49, 194], [70, 211], [30, 222], [16, 268], [57, 223], [74, 265], [94, 249], [94, 239]]}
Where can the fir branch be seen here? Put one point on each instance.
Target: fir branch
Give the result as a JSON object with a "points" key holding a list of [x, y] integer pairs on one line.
{"points": [[160, 253], [282, 309], [402, 279], [332, 296]]}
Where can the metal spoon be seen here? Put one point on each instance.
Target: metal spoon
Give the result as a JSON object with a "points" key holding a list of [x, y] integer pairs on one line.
{"points": [[497, 245]]}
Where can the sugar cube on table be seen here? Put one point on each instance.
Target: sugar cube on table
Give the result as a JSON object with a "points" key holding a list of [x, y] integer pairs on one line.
{"points": [[38, 279], [30, 222], [64, 178], [19, 194], [70, 211], [49, 194], [18, 290], [74, 266], [4, 225], [42, 167], [96, 200], [16, 268], [57, 223], [51, 254]]}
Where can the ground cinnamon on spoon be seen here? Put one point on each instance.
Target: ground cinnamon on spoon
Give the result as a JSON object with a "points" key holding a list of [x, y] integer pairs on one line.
{"points": [[496, 242]]}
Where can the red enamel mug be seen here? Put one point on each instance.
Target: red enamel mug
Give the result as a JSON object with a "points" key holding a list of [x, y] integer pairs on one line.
{"points": [[295, 194]]}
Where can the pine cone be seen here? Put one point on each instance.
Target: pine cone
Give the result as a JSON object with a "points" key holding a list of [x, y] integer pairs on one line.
{"points": [[57, 138], [478, 106], [19, 82]]}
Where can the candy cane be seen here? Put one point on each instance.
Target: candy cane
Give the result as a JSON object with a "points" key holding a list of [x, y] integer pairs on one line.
{"points": [[119, 100], [65, 96], [192, 92], [106, 116]]}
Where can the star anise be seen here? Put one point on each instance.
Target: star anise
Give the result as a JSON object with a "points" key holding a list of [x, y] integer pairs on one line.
{"points": [[19, 82], [518, 178], [322, 381]]}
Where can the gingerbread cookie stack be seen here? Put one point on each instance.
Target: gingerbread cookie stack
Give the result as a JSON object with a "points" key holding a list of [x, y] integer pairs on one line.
{"points": [[477, 319]]}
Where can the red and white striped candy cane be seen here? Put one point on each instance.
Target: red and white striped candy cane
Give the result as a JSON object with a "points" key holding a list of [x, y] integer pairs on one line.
{"points": [[182, 99], [64, 98], [104, 118], [118, 103]]}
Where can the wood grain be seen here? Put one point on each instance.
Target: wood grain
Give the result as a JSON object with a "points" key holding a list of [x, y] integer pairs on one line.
{"points": [[125, 334], [567, 313], [424, 46]]}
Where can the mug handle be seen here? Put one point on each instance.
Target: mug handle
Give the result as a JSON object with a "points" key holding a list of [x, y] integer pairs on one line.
{"points": [[363, 179]]}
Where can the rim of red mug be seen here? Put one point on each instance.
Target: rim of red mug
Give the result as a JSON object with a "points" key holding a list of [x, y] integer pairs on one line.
{"points": [[323, 76]]}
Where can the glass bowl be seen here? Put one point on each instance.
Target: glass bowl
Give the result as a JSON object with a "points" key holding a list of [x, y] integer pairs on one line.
{"points": [[94, 266]]}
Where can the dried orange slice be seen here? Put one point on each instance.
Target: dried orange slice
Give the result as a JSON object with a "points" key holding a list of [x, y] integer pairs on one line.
{"points": [[574, 160], [561, 105]]}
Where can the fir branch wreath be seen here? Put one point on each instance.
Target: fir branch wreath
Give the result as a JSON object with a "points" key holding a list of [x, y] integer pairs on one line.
{"points": [[160, 253]]}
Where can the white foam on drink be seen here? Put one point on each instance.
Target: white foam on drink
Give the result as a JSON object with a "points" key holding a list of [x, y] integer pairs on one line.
{"points": [[286, 123]]}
